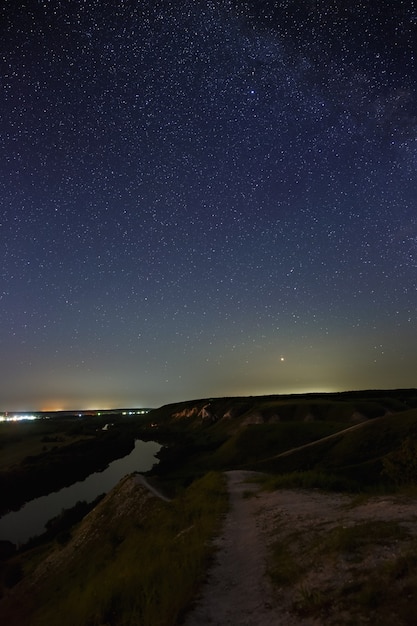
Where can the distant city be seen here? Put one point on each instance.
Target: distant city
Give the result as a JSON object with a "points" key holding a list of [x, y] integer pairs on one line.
{"points": [[16, 416]]}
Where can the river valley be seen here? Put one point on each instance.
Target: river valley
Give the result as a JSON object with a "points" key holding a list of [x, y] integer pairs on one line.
{"points": [[29, 521]]}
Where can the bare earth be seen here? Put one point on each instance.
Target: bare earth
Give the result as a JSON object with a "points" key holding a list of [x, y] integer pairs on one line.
{"points": [[238, 589], [373, 582]]}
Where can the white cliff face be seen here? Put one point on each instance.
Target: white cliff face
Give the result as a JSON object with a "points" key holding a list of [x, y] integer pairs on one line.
{"points": [[193, 412], [203, 413]]}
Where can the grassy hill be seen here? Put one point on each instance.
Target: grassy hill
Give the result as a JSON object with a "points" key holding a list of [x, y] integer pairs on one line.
{"points": [[135, 559], [266, 433], [362, 456]]}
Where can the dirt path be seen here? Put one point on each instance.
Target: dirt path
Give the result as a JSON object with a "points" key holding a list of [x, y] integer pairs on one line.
{"points": [[328, 589], [141, 480], [237, 591], [359, 577]]}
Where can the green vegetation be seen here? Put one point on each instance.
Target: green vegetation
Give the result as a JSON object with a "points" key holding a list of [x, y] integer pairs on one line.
{"points": [[257, 441], [388, 592], [351, 539], [309, 479], [19, 440], [297, 560], [400, 465], [311, 601], [350, 435], [378, 453], [383, 595], [284, 568], [126, 573], [60, 527], [143, 565], [47, 454]]}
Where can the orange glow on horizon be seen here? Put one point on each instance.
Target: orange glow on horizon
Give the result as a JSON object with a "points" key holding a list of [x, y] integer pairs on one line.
{"points": [[51, 407], [59, 405]]}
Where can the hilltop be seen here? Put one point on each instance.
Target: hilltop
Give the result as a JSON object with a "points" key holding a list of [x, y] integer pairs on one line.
{"points": [[332, 514], [265, 434]]}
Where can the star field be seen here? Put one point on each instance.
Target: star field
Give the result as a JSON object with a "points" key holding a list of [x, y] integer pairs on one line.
{"points": [[206, 198]]}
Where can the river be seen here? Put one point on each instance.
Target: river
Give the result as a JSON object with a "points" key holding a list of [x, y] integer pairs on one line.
{"points": [[30, 520]]}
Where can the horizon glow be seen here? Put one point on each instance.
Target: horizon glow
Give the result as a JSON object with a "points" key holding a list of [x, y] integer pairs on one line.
{"points": [[204, 200]]}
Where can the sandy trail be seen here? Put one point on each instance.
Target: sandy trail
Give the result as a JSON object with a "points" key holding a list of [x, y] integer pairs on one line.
{"points": [[237, 590]]}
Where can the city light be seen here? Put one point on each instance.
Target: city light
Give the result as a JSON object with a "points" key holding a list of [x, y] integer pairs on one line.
{"points": [[17, 418]]}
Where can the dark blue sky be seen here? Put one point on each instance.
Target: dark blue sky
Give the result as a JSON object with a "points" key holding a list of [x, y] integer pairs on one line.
{"points": [[206, 198]]}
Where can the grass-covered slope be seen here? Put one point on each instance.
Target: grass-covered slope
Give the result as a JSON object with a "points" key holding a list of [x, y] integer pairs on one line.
{"points": [[45, 455], [135, 559], [260, 441], [362, 456], [272, 434], [228, 413]]}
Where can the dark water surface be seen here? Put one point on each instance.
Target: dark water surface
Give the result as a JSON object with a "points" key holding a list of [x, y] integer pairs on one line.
{"points": [[30, 520]]}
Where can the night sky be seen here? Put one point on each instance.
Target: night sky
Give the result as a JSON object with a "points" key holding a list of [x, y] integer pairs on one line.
{"points": [[206, 199]]}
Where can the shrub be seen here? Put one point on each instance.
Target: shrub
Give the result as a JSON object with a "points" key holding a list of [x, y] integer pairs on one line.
{"points": [[13, 574], [400, 466]]}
